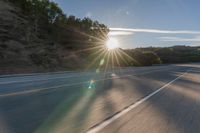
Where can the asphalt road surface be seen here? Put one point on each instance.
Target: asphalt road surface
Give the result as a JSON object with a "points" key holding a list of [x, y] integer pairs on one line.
{"points": [[157, 99]]}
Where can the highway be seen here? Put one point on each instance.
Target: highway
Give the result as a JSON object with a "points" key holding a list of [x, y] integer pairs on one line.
{"points": [[128, 100]]}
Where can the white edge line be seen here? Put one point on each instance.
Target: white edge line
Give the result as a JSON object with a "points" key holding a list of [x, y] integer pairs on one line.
{"points": [[118, 115]]}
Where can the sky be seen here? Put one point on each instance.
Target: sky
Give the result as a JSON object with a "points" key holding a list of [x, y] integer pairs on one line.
{"points": [[143, 23]]}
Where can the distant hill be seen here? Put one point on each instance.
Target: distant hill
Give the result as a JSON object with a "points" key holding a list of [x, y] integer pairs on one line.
{"points": [[157, 55]]}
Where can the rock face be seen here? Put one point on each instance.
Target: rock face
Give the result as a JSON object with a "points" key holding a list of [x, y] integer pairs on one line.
{"points": [[22, 49], [13, 37]]}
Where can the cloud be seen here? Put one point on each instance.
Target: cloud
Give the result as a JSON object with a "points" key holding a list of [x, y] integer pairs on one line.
{"points": [[119, 33], [155, 31], [178, 39]]}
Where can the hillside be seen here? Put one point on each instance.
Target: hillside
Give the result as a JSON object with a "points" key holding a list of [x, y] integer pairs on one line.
{"points": [[31, 40]]}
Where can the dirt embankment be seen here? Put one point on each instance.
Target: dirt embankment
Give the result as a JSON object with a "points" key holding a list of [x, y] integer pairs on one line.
{"points": [[22, 49]]}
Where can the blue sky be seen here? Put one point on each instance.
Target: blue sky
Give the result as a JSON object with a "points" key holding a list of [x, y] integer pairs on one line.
{"points": [[157, 23]]}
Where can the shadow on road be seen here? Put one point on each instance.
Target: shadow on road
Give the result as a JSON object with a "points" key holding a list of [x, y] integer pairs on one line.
{"points": [[81, 107]]}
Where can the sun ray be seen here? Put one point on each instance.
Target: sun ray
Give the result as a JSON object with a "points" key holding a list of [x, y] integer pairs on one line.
{"points": [[112, 61], [103, 33], [121, 57], [131, 58], [118, 63], [88, 49], [106, 66], [92, 63]]}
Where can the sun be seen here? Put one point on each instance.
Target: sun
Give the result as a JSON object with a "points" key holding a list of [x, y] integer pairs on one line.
{"points": [[112, 43]]}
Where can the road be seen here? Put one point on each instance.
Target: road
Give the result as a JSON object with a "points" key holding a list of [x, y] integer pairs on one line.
{"points": [[129, 100]]}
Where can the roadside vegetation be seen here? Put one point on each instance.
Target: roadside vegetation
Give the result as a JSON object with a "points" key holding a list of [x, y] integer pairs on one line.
{"points": [[166, 55]]}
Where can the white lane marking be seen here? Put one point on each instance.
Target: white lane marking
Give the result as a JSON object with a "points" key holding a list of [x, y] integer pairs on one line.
{"points": [[100, 126], [67, 85]]}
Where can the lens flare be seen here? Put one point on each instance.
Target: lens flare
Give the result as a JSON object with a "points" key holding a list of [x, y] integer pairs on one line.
{"points": [[112, 43]]}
